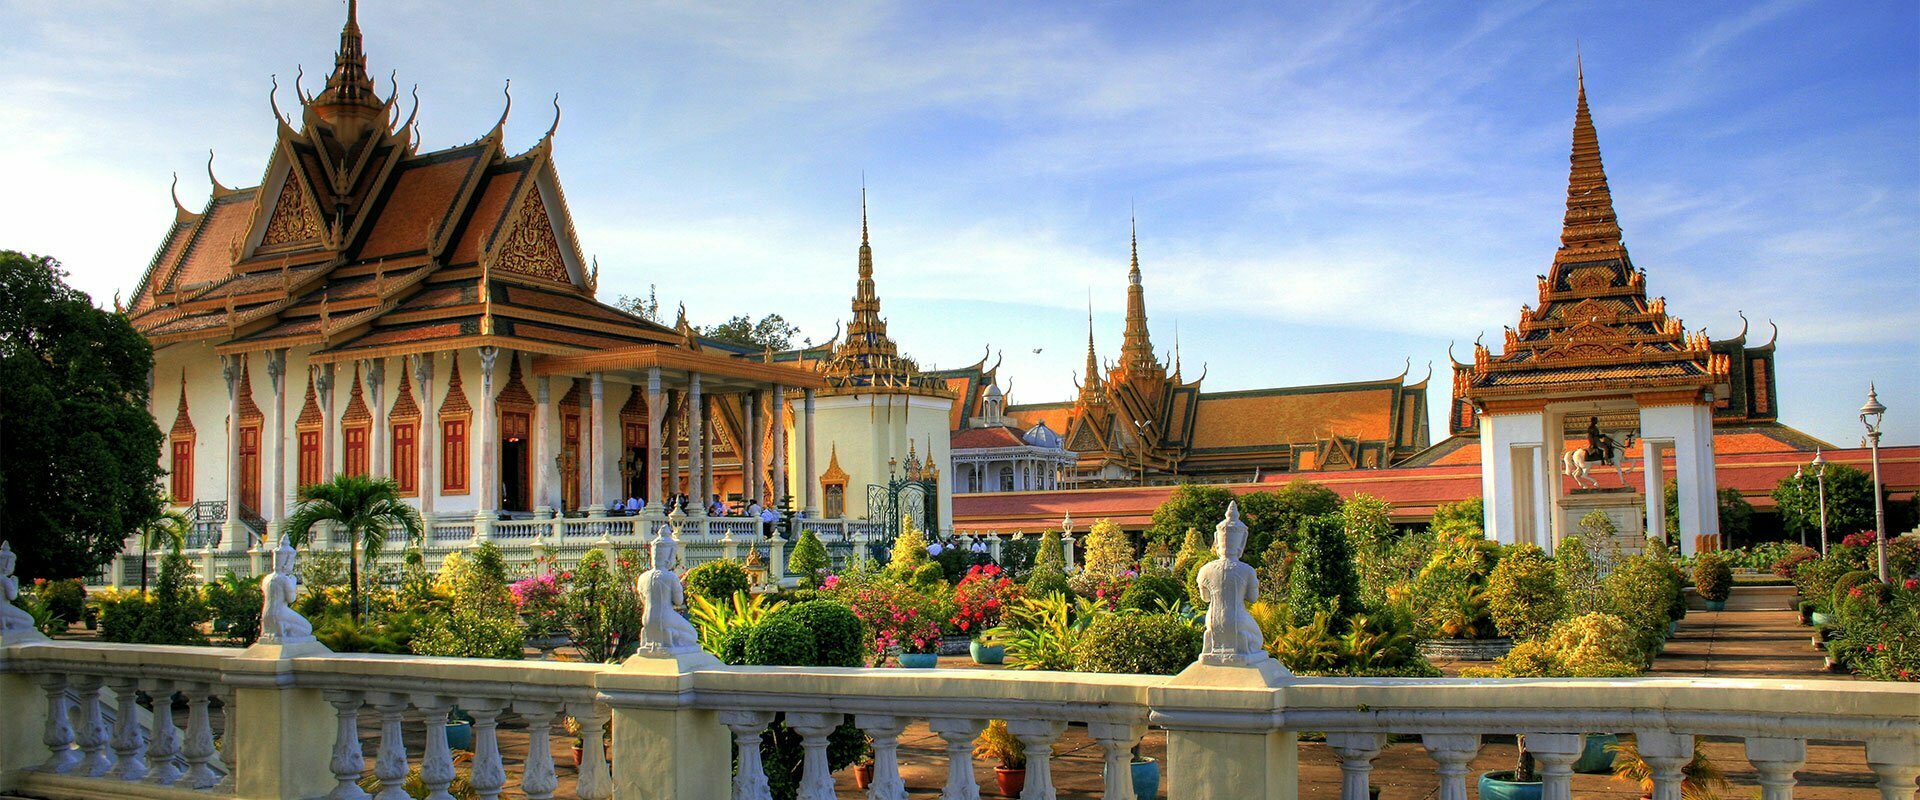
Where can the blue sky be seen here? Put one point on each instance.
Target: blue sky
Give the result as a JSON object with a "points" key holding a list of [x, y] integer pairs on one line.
{"points": [[1324, 191]]}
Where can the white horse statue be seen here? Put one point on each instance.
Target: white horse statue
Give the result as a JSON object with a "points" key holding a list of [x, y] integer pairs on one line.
{"points": [[1575, 463]]}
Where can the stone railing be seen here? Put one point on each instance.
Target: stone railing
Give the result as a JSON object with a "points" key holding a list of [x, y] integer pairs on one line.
{"points": [[95, 720]]}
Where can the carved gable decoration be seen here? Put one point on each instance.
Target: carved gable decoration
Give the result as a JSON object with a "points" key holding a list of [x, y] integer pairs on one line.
{"points": [[249, 410], [515, 395], [530, 247], [309, 410], [1085, 439], [1588, 279], [357, 411], [182, 418], [404, 406], [293, 218]]}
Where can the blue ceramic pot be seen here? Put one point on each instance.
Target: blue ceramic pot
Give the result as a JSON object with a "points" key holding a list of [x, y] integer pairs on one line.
{"points": [[919, 660], [1499, 786], [984, 654], [459, 735], [1146, 778], [1595, 758], [1716, 605], [1820, 618]]}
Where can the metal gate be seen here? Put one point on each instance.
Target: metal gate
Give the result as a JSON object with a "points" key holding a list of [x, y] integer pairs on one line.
{"points": [[914, 499]]}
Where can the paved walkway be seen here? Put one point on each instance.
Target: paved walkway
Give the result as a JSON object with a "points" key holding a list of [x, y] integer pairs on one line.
{"points": [[1743, 644]]}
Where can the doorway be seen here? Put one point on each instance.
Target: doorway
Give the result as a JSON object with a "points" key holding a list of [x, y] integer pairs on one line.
{"points": [[516, 474]]}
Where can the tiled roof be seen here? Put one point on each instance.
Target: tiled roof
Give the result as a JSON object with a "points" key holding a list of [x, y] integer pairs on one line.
{"points": [[982, 438], [210, 256], [1277, 419], [488, 214], [421, 203]]}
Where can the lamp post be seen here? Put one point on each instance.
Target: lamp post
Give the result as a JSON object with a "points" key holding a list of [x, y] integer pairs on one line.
{"points": [[1870, 415], [1820, 476]]}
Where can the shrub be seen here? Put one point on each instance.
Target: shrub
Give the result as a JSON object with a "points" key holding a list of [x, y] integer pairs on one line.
{"points": [[1641, 591], [467, 633], [1790, 563], [1050, 554], [1522, 595], [928, 576], [997, 743], [236, 600], [120, 614], [1576, 574], [323, 568], [837, 633], [1193, 550], [1148, 644], [720, 621], [1042, 631], [718, 580], [1712, 578], [1592, 645], [809, 559], [65, 599], [1152, 593], [1845, 584], [602, 607], [1462, 520], [1040, 584], [1275, 571], [816, 633], [1324, 578], [1109, 554], [1814, 579], [909, 550], [1016, 556], [980, 599], [780, 641], [176, 611]]}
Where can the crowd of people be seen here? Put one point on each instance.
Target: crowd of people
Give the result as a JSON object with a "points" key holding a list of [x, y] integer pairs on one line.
{"points": [[714, 507]]}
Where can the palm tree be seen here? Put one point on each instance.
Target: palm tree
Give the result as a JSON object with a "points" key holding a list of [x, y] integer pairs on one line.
{"points": [[169, 528], [366, 509]]}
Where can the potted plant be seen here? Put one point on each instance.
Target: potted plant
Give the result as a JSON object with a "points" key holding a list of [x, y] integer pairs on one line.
{"points": [[1713, 579], [997, 743], [978, 601], [1520, 783], [863, 768], [1806, 612], [904, 620], [1700, 778]]}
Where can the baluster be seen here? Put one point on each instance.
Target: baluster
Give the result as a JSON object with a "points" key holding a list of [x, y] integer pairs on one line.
{"points": [[198, 747], [58, 734], [1116, 746], [1555, 753], [1357, 752], [750, 780], [129, 739], [1776, 760], [595, 781], [1038, 736], [223, 755], [489, 774], [885, 731], [92, 736], [1451, 751], [436, 758], [164, 750], [348, 762], [959, 735], [537, 780], [1897, 762], [816, 779], [390, 766], [1666, 754]]}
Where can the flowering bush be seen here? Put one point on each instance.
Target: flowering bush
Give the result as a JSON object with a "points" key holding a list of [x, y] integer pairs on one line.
{"points": [[1861, 539], [1791, 562], [899, 616], [539, 601], [980, 597]]}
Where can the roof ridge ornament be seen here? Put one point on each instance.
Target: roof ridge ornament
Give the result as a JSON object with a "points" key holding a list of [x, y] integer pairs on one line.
{"points": [[219, 190]]}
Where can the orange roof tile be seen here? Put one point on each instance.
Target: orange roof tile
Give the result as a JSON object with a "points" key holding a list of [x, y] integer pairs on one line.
{"points": [[421, 201], [982, 438], [1271, 419], [210, 257], [488, 213]]}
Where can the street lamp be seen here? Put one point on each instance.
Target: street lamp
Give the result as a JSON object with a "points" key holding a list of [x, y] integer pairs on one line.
{"points": [[1870, 416], [1820, 475]]}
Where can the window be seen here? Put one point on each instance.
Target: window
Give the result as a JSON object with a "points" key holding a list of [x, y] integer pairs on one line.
{"points": [[453, 456], [406, 457], [836, 501], [356, 441], [250, 467], [1006, 479], [182, 470], [309, 457]]}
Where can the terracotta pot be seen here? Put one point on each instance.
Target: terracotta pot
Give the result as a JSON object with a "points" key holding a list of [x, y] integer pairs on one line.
{"points": [[1011, 780], [862, 776], [578, 754]]}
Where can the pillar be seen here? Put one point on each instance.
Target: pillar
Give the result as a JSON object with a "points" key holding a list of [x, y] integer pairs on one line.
{"points": [[707, 486], [377, 450], [1213, 759], [486, 431], [1510, 456], [429, 436], [807, 474], [543, 504], [232, 539], [597, 432], [665, 747], [696, 488], [672, 442], [656, 409], [778, 411], [750, 450], [276, 440], [281, 736], [1653, 471], [323, 385], [1690, 430]]}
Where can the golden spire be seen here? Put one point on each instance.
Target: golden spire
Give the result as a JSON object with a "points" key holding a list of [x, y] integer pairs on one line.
{"points": [[1136, 351], [1090, 389], [868, 359], [349, 84], [1590, 228]]}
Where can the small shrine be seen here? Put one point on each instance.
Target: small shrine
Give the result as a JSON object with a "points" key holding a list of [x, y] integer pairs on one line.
{"points": [[1595, 377]]}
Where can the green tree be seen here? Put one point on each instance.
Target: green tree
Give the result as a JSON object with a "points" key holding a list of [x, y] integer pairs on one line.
{"points": [[1574, 570], [1736, 514], [365, 509], [1194, 550], [647, 308], [771, 332], [1324, 578], [1461, 520], [1849, 502], [809, 559], [1108, 551], [1280, 513], [1049, 574], [1523, 595], [170, 529], [79, 451], [1192, 505]]}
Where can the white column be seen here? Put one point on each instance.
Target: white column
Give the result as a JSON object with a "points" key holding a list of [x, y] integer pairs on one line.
{"points": [[427, 440], [276, 439], [1653, 473], [696, 488], [656, 409], [543, 504], [672, 442], [377, 451], [486, 430], [807, 476], [706, 450], [1690, 429], [778, 411], [323, 384], [1776, 760], [1552, 483], [1509, 453], [232, 540], [750, 449], [598, 428]]}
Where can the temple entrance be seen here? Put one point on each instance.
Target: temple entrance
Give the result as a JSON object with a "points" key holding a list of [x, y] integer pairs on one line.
{"points": [[516, 461]]}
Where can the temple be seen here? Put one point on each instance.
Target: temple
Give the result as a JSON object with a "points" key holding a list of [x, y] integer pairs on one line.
{"points": [[1137, 422], [433, 317]]}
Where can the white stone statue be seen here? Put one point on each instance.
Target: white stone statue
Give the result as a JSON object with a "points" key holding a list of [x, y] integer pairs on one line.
{"points": [[13, 619], [279, 623], [1228, 584], [662, 630]]}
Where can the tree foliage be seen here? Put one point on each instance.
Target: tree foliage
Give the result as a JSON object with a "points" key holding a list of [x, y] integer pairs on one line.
{"points": [[1191, 506], [1849, 502], [364, 509], [771, 332], [1108, 552], [1324, 578], [809, 559], [79, 451], [1736, 514]]}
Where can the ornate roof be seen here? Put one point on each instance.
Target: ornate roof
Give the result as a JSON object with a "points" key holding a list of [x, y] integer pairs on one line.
{"points": [[1594, 329], [249, 411], [868, 361], [404, 406], [182, 418], [455, 403], [356, 410]]}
